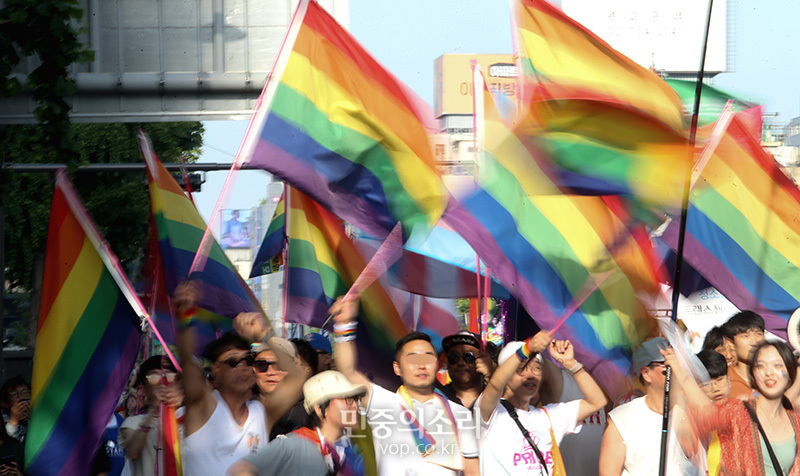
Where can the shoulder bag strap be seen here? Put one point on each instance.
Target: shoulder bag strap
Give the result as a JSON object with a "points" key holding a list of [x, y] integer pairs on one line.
{"points": [[513, 412], [772, 456]]}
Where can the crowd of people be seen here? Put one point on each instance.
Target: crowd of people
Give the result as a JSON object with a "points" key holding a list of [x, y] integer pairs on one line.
{"points": [[255, 404]]}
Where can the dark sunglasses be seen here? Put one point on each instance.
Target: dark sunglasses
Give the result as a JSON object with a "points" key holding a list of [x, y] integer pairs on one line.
{"points": [[468, 357], [262, 366], [233, 362]]}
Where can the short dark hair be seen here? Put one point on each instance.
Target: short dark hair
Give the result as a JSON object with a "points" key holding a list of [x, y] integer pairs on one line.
{"points": [[312, 420], [13, 382], [229, 340], [307, 353], [789, 360], [411, 336], [714, 362], [742, 322], [153, 363], [715, 338]]}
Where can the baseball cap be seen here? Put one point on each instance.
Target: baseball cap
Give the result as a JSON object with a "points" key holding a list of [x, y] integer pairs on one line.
{"points": [[649, 351], [318, 342], [462, 337], [327, 385]]}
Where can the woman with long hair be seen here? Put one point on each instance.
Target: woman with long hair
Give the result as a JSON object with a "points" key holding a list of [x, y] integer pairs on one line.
{"points": [[759, 436]]}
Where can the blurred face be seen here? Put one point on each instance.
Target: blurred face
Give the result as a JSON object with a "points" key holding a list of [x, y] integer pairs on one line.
{"points": [[655, 374], [323, 360], [416, 365], [154, 381], [745, 341], [342, 412], [771, 378], [728, 350], [268, 375], [461, 364], [130, 403], [526, 381], [20, 392], [233, 371], [717, 388]]}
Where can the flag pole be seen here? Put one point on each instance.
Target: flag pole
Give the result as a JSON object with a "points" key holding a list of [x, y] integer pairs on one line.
{"points": [[676, 281]]}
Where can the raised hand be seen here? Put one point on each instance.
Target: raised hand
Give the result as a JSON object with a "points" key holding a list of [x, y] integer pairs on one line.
{"points": [[343, 311]]}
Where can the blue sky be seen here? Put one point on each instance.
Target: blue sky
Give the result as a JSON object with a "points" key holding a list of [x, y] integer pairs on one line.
{"points": [[406, 37]]}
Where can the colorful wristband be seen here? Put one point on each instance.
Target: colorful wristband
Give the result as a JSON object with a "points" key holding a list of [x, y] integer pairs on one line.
{"points": [[344, 332], [577, 368], [187, 319], [523, 352]]}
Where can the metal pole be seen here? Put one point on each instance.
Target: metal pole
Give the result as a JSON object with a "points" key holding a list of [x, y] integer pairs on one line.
{"points": [[676, 282]]}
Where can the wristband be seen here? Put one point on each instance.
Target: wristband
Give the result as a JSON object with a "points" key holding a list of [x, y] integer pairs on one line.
{"points": [[577, 368], [344, 332], [524, 353], [187, 319]]}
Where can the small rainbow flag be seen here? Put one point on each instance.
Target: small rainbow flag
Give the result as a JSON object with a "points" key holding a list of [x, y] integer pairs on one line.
{"points": [[87, 341], [335, 124], [180, 229], [270, 255], [561, 59], [743, 228], [170, 441], [545, 248]]}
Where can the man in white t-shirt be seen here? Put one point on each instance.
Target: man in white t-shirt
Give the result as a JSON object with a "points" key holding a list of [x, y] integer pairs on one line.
{"points": [[417, 431], [504, 447], [632, 441]]}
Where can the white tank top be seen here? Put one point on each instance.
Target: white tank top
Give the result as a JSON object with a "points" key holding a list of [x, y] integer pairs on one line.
{"points": [[221, 442]]}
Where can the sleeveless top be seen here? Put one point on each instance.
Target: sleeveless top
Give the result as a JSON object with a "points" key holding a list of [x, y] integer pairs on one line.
{"points": [[220, 442]]}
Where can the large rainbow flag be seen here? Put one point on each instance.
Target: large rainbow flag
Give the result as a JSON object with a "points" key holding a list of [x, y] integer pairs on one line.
{"points": [[180, 229], [87, 341], [743, 228], [335, 124], [549, 249], [561, 59]]}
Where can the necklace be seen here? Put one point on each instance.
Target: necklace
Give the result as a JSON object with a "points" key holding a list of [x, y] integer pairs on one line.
{"points": [[241, 419]]}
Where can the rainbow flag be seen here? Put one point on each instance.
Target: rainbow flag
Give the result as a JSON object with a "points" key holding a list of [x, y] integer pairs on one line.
{"points": [[743, 228], [170, 441], [322, 265], [546, 248], [269, 258], [335, 124], [87, 341], [561, 59], [180, 229]]}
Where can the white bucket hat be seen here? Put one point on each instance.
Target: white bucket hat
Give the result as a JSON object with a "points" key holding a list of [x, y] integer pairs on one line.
{"points": [[328, 385]]}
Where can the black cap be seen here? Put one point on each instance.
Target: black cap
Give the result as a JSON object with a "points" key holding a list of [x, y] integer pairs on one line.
{"points": [[463, 337]]}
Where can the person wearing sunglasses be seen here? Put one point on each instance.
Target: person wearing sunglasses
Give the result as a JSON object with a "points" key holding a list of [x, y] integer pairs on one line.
{"points": [[416, 430], [138, 434], [322, 449], [468, 367]]}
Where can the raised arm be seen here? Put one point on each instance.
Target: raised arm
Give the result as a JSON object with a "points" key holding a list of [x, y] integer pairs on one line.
{"points": [[197, 396], [345, 318], [593, 397], [491, 395]]}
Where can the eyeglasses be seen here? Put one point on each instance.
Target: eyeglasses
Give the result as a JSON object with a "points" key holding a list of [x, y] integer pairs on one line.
{"points": [[233, 362], [454, 357], [155, 377], [262, 366], [20, 393], [352, 400]]}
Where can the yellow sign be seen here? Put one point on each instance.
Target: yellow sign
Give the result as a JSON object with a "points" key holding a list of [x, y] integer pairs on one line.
{"points": [[453, 80]]}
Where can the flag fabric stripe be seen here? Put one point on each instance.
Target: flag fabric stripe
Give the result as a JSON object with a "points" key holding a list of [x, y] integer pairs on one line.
{"points": [[180, 230], [274, 240], [744, 223], [327, 83], [86, 346], [54, 334], [569, 61]]}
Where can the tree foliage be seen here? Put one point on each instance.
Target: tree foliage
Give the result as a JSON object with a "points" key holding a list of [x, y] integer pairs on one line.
{"points": [[118, 201]]}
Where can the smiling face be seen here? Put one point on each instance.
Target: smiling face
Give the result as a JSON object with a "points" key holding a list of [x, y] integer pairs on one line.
{"points": [[770, 373], [728, 350], [526, 381], [416, 365]]}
